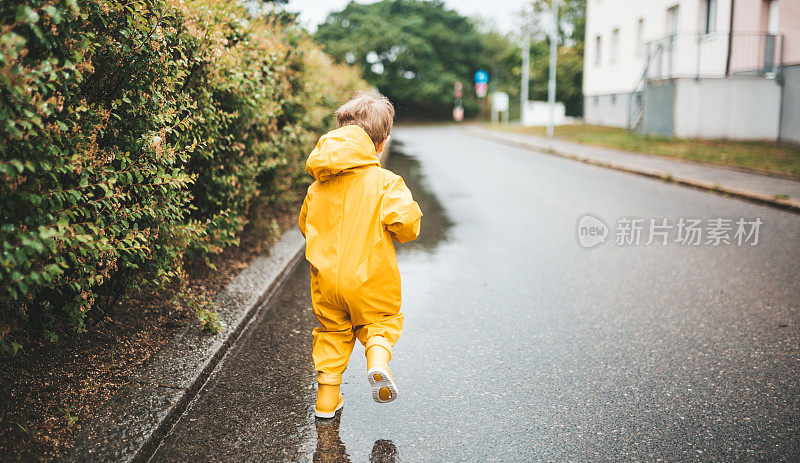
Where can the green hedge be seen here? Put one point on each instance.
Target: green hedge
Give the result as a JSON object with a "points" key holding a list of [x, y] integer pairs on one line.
{"points": [[136, 136]]}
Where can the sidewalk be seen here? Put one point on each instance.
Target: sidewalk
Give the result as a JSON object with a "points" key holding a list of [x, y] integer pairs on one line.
{"points": [[131, 424], [762, 188]]}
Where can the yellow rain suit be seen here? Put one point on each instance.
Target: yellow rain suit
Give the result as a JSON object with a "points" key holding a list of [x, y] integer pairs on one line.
{"points": [[350, 216]]}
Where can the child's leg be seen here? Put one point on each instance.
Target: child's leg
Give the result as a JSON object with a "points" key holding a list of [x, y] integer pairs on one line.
{"points": [[379, 329], [378, 339], [375, 312], [333, 342], [383, 332]]}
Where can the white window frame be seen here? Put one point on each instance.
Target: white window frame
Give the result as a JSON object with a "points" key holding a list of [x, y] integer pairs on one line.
{"points": [[639, 37], [772, 16], [598, 49], [709, 18], [672, 23], [615, 53]]}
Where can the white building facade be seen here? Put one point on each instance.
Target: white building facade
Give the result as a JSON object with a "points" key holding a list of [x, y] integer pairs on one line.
{"points": [[694, 68]]}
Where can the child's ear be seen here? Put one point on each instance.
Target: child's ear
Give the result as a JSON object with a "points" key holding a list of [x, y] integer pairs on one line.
{"points": [[383, 145]]}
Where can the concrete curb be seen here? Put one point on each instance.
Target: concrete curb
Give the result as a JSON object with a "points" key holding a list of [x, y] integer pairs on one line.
{"points": [[754, 196], [130, 426]]}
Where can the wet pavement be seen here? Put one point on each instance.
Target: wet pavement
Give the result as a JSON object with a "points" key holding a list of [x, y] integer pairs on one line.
{"points": [[521, 345]]}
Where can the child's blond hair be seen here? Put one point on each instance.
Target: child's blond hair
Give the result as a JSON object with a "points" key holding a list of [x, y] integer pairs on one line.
{"points": [[371, 111]]}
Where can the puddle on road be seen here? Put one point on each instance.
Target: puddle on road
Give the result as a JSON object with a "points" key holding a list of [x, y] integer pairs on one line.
{"points": [[330, 447], [436, 224]]}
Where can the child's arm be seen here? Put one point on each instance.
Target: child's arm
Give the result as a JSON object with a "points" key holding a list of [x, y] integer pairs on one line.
{"points": [[301, 222], [400, 214]]}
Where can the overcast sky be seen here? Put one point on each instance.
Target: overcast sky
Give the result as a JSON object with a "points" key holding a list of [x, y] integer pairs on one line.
{"points": [[500, 12]]}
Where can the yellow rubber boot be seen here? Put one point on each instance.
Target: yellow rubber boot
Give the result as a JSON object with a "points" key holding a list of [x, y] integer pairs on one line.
{"points": [[329, 401], [383, 387]]}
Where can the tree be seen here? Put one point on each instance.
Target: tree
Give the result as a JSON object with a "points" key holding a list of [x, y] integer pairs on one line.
{"points": [[501, 55], [571, 21], [573, 12], [569, 70], [413, 51], [569, 76]]}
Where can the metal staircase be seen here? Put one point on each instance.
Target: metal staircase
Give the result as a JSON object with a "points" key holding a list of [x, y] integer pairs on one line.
{"points": [[636, 101]]}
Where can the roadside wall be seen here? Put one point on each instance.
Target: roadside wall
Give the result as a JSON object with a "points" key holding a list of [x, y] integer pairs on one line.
{"points": [[538, 113], [659, 108], [727, 108], [609, 110], [790, 105]]}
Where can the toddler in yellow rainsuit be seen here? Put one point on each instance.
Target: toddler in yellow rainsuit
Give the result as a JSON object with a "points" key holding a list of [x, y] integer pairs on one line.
{"points": [[350, 216]]}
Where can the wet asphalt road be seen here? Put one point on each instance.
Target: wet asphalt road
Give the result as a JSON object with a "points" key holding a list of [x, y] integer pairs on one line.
{"points": [[520, 345]]}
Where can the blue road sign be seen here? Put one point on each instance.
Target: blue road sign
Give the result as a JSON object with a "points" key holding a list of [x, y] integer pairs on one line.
{"points": [[481, 77]]}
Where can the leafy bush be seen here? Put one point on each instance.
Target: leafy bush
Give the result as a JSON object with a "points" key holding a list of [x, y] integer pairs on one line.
{"points": [[135, 138]]}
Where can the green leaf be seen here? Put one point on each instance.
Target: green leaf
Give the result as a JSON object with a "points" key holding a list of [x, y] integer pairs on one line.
{"points": [[12, 348], [26, 14], [50, 335], [53, 13]]}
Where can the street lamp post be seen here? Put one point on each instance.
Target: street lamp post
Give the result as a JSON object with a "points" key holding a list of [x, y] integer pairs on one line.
{"points": [[526, 65], [551, 84]]}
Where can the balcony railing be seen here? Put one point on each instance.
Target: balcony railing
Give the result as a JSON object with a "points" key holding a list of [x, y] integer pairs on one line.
{"points": [[721, 54]]}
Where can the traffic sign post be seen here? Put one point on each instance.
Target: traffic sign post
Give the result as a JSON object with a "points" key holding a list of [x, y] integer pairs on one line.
{"points": [[499, 106], [481, 78], [458, 114], [481, 88], [458, 109]]}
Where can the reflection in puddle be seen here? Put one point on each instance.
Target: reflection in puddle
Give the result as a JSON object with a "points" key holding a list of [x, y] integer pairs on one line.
{"points": [[330, 448], [435, 222], [383, 451]]}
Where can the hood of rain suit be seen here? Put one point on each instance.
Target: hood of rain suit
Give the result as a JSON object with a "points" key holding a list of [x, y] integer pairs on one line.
{"points": [[346, 148]]}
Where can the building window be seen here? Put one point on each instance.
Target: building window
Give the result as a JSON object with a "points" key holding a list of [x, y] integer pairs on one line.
{"points": [[639, 37], [596, 101], [598, 50], [709, 11], [613, 99], [672, 25], [770, 41], [772, 16], [615, 45]]}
